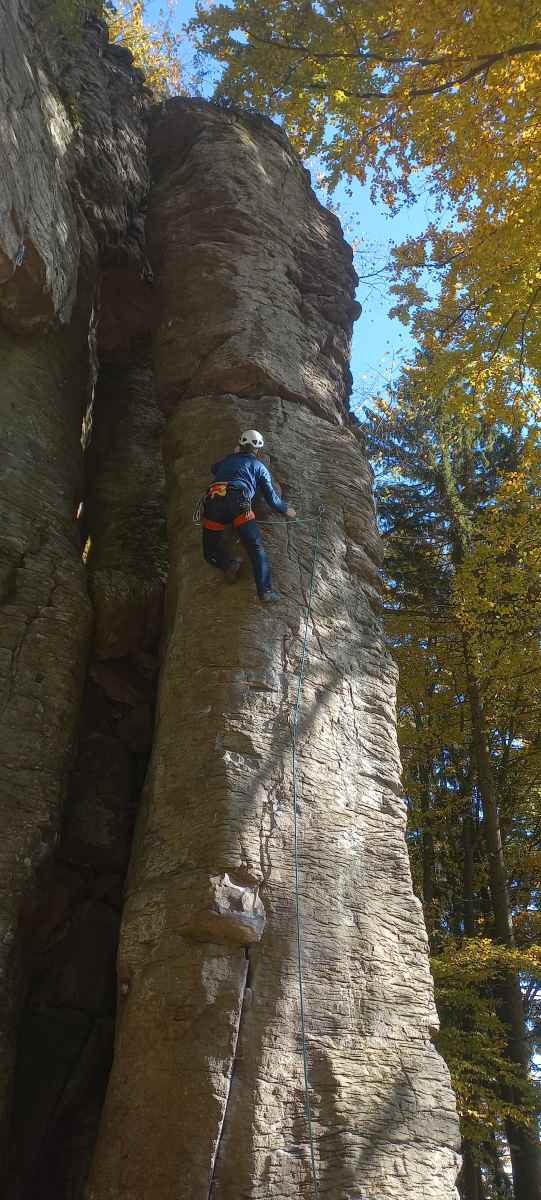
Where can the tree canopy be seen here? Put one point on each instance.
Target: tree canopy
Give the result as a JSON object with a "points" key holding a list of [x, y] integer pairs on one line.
{"points": [[154, 45], [463, 610], [445, 91]]}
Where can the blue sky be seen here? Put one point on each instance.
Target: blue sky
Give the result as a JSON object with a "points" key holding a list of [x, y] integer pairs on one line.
{"points": [[379, 344]]}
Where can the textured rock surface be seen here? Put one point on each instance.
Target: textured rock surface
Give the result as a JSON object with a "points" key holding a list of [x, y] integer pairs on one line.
{"points": [[206, 1095], [125, 509], [74, 169], [74, 174], [45, 617], [67, 1022], [66, 1026], [266, 300]]}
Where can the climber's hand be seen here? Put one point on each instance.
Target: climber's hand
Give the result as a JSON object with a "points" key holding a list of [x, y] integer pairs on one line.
{"points": [[291, 512]]}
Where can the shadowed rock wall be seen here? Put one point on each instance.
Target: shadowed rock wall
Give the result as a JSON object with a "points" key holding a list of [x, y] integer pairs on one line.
{"points": [[45, 618], [74, 169], [205, 1098], [74, 177], [66, 1026], [125, 509]]}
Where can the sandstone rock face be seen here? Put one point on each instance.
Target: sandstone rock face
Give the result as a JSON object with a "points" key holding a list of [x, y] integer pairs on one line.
{"points": [[67, 1021], [205, 1098], [74, 167], [73, 178], [251, 322], [125, 510], [45, 616], [263, 306]]}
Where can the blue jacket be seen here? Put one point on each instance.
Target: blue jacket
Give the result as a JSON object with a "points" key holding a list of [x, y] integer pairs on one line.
{"points": [[249, 473]]}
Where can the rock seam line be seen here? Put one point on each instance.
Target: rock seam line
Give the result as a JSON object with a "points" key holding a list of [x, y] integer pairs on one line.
{"points": [[210, 1193]]}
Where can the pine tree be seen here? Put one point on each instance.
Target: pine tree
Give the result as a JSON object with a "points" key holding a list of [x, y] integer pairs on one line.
{"points": [[470, 744]]}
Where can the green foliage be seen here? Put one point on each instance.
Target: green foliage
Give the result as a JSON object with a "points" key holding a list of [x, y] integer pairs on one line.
{"points": [[473, 1039], [453, 491], [69, 15]]}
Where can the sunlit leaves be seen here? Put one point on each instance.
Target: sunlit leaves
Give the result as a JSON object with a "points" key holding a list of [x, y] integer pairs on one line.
{"points": [[467, 568], [440, 95], [155, 47], [472, 1037]]}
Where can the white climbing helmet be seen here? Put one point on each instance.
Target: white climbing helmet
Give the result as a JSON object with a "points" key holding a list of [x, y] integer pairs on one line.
{"points": [[251, 438]]}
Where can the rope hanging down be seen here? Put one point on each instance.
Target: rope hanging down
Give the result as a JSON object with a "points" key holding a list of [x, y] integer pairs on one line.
{"points": [[197, 515], [294, 733]]}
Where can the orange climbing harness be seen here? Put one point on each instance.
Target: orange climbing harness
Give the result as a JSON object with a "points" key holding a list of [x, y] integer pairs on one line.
{"points": [[243, 518], [221, 489], [217, 526]]}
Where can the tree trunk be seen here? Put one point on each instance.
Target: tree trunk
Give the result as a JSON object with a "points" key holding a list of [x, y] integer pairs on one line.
{"points": [[206, 1096], [523, 1140], [470, 1182], [468, 874], [428, 879], [428, 860]]}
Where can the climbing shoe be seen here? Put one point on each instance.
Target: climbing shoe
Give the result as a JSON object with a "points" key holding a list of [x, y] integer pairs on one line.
{"points": [[232, 571], [270, 597]]}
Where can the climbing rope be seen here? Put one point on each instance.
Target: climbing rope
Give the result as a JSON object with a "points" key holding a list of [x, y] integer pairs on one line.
{"points": [[198, 510], [197, 515], [294, 756], [17, 262]]}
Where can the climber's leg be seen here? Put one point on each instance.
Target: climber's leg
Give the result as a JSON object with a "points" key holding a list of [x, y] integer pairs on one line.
{"points": [[217, 514], [250, 537], [214, 550]]}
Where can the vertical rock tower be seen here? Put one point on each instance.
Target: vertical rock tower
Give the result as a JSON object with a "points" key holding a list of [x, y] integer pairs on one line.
{"points": [[74, 176], [206, 1095]]}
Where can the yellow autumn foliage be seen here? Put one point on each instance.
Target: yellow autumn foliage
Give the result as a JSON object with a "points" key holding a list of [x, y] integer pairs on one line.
{"points": [[154, 46], [442, 92], [472, 1037]]}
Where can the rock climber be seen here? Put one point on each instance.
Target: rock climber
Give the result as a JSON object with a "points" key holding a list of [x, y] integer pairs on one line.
{"points": [[229, 502]]}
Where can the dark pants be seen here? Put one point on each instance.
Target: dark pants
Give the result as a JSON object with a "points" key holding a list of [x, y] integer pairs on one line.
{"points": [[224, 510]]}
